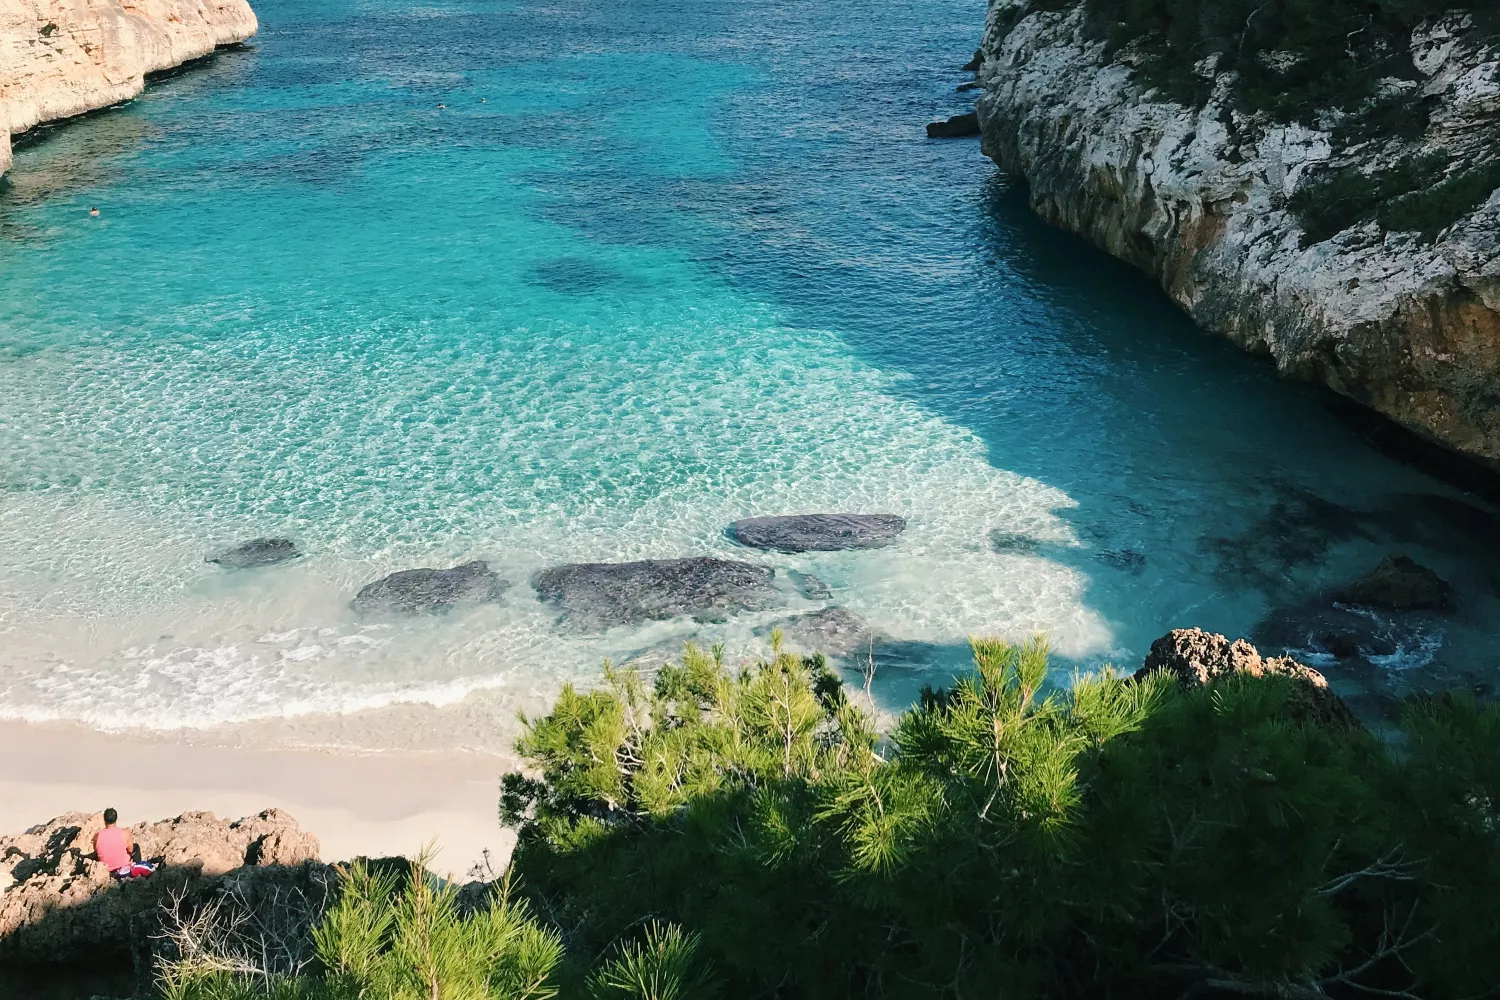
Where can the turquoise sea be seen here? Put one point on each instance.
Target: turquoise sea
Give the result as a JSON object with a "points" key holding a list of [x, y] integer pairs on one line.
{"points": [[654, 266]]}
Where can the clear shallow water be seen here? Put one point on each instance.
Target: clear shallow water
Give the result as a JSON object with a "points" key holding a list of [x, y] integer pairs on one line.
{"points": [[655, 266]]}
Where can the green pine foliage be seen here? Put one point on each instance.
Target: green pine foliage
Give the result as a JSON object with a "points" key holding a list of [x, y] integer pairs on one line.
{"points": [[749, 833], [397, 939], [1293, 58], [1009, 837]]}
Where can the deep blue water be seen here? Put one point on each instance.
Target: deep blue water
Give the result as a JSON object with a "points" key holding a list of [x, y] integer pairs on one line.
{"points": [[654, 266]]}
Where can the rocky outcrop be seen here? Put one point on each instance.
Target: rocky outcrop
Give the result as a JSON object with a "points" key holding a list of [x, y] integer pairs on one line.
{"points": [[954, 128], [60, 903], [597, 596], [1400, 583], [1199, 197], [59, 59], [1198, 658], [417, 591], [817, 532]]}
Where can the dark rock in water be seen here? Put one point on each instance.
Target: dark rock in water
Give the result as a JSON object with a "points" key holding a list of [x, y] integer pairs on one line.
{"points": [[1401, 584], [1339, 644], [1345, 632], [256, 552], [835, 632], [972, 66], [956, 127], [1198, 658], [1128, 560], [600, 595], [1014, 543], [818, 532], [418, 590], [964, 88], [809, 586], [1297, 532]]}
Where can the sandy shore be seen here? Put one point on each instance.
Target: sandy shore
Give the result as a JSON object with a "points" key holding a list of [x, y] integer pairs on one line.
{"points": [[357, 801]]}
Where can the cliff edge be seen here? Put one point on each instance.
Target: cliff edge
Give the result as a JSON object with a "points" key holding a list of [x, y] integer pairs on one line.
{"points": [[1358, 246], [63, 57]]}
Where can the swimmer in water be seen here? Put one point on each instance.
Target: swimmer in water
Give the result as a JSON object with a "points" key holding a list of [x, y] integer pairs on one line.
{"points": [[93, 211], [441, 106], [483, 101]]}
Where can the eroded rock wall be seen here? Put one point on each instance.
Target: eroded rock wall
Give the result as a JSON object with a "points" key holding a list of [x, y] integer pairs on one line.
{"points": [[1198, 197], [63, 57]]}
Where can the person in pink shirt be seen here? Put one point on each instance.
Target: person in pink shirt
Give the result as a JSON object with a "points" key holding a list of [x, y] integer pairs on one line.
{"points": [[116, 849]]}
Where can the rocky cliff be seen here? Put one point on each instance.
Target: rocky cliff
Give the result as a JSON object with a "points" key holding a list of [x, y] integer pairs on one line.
{"points": [[64, 57], [1204, 195]]}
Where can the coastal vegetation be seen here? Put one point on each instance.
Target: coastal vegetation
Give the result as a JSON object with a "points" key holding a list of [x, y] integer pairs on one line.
{"points": [[751, 832], [1295, 59]]}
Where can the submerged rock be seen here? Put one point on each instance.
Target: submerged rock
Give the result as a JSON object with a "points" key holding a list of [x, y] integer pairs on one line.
{"points": [[809, 586], [1129, 560], [432, 590], [63, 905], [1401, 584], [835, 632], [817, 532], [600, 595], [954, 128], [256, 552], [1198, 658], [1014, 543]]}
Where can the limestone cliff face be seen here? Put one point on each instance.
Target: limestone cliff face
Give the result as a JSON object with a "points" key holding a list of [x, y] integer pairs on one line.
{"points": [[1198, 196], [64, 57]]}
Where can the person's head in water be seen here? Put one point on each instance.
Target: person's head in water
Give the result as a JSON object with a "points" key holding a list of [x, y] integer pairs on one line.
{"points": [[93, 210], [110, 817]]}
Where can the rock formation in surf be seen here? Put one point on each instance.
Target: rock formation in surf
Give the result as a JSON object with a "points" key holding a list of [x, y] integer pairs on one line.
{"points": [[595, 596], [61, 59], [417, 591], [1358, 252]]}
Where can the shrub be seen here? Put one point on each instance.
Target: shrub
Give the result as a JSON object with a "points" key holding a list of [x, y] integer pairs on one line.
{"points": [[1116, 838], [1294, 58], [1329, 205], [749, 833]]}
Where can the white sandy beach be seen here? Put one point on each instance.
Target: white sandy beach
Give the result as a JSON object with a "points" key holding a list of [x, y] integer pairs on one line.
{"points": [[357, 801]]}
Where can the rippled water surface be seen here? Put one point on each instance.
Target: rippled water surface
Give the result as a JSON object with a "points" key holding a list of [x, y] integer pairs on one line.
{"points": [[655, 266]]}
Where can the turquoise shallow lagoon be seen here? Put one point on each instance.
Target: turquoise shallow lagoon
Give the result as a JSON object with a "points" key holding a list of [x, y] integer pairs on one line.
{"points": [[653, 267]]}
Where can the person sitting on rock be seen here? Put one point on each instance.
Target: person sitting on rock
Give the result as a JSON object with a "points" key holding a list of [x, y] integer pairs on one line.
{"points": [[116, 849]]}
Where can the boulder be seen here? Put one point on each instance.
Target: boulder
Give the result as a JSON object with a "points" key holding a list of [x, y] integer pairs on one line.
{"points": [[596, 596], [63, 905], [1198, 658], [1400, 584], [835, 632], [956, 127], [256, 552], [817, 532], [413, 591]]}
